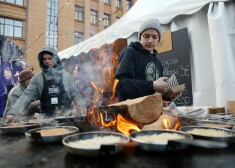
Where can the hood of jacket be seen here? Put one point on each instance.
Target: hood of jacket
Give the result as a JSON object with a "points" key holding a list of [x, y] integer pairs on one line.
{"points": [[58, 65], [138, 46]]}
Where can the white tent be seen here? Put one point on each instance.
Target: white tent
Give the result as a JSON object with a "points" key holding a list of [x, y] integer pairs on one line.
{"points": [[211, 26]]}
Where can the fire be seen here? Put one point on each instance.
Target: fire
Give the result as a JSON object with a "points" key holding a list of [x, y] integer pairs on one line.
{"points": [[109, 124], [166, 122], [105, 86], [97, 89], [169, 123], [125, 126], [106, 63], [114, 88]]}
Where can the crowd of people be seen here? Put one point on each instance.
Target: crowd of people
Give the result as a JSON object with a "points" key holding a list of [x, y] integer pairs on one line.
{"points": [[139, 72]]}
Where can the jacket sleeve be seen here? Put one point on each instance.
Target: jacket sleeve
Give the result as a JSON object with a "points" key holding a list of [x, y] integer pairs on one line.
{"points": [[129, 87], [11, 100]]}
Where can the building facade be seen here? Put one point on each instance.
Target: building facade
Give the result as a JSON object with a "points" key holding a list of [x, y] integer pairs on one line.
{"points": [[34, 24]]}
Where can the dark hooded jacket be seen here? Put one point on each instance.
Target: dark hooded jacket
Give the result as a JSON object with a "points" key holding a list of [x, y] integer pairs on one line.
{"points": [[137, 70], [35, 88]]}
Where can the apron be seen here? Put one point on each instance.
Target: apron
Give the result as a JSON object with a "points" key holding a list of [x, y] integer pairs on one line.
{"points": [[54, 96]]}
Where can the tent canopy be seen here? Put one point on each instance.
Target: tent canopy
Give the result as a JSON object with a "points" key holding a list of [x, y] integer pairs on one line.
{"points": [[164, 10]]}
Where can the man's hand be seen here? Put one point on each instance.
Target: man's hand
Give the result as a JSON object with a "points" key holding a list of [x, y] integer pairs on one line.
{"points": [[159, 85], [9, 118], [35, 103]]}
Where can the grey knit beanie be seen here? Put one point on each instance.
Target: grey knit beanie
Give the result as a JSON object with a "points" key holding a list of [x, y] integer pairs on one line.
{"points": [[150, 24]]}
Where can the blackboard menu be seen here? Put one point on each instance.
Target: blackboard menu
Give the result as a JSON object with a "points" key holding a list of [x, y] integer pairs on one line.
{"points": [[177, 61]]}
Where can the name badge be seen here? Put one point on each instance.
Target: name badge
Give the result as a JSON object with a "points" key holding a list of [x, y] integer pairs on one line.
{"points": [[54, 100]]}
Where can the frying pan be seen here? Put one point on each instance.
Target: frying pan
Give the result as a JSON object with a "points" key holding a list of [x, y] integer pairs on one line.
{"points": [[93, 152], [174, 144], [33, 136], [18, 128], [227, 139]]}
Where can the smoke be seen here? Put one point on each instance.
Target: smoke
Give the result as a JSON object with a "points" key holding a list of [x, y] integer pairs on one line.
{"points": [[94, 75]]}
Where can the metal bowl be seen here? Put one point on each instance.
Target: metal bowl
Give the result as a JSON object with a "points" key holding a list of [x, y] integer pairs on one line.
{"points": [[18, 128], [157, 147], [228, 139], [92, 152], [35, 136]]}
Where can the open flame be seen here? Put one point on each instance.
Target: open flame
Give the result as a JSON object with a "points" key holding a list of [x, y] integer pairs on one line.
{"points": [[170, 123], [123, 125], [106, 62], [126, 126]]}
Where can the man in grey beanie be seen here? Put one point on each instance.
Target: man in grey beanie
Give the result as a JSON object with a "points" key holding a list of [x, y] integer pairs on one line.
{"points": [[140, 71]]}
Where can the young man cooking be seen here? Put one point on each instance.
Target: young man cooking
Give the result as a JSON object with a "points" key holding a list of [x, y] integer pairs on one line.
{"points": [[140, 71], [53, 87]]}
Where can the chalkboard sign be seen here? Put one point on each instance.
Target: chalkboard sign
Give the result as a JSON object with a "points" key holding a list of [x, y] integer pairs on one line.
{"points": [[177, 61]]}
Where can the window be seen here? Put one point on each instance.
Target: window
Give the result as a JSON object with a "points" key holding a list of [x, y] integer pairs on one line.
{"points": [[107, 1], [94, 17], [107, 21], [51, 24], [119, 3], [129, 4], [17, 2], [79, 13], [12, 28], [79, 37]]}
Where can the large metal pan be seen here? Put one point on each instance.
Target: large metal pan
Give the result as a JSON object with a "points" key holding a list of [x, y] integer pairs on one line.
{"points": [[172, 144], [18, 128], [35, 135], [93, 152], [156, 147], [227, 139]]}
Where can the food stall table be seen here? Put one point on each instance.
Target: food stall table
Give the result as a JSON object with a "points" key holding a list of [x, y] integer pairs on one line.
{"points": [[18, 152]]}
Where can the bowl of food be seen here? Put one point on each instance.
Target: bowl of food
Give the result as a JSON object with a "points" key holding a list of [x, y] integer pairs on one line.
{"points": [[210, 133], [50, 134], [90, 144], [157, 140]]}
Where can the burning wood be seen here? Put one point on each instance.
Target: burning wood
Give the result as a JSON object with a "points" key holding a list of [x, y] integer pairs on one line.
{"points": [[128, 115], [143, 110]]}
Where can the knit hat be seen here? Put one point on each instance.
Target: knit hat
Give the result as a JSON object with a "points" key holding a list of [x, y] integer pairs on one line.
{"points": [[151, 24], [24, 75]]}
